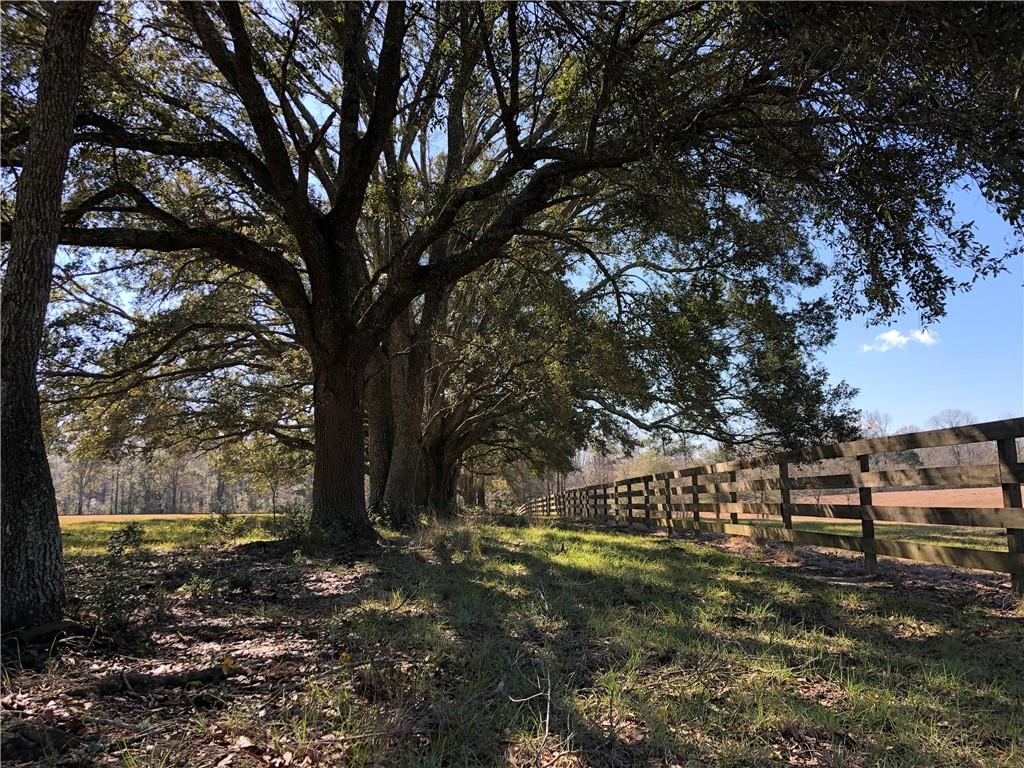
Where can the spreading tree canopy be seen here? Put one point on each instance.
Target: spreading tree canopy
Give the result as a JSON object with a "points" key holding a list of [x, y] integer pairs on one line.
{"points": [[352, 162]]}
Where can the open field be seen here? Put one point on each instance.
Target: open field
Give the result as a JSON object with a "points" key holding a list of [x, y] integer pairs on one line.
{"points": [[938, 497], [489, 645], [163, 532], [972, 537], [74, 519]]}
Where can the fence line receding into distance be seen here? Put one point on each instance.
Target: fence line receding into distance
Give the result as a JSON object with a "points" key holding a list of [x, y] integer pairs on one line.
{"points": [[677, 500]]}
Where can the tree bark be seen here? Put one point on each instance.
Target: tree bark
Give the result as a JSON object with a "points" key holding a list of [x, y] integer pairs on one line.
{"points": [[174, 492], [32, 562], [380, 431], [339, 456], [441, 483], [400, 499], [407, 395]]}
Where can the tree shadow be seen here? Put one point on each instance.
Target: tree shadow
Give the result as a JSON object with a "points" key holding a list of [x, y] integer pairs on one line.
{"points": [[604, 649], [566, 638]]}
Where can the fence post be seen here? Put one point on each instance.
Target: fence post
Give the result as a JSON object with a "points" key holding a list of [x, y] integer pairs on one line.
{"points": [[647, 501], [714, 496], [734, 498], [695, 498], [1007, 448], [867, 526], [668, 502], [784, 491]]}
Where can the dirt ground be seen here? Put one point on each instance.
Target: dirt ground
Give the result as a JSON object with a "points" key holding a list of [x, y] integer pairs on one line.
{"points": [[104, 693]]}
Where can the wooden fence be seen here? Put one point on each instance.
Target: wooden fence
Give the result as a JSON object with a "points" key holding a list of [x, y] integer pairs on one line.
{"points": [[683, 499]]}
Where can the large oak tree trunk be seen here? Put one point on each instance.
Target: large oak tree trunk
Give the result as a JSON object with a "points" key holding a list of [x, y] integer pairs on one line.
{"points": [[441, 483], [400, 494], [32, 563], [339, 501], [380, 431], [407, 395]]}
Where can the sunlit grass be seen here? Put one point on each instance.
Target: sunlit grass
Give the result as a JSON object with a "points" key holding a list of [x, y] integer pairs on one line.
{"points": [[488, 645], [972, 537], [83, 538]]}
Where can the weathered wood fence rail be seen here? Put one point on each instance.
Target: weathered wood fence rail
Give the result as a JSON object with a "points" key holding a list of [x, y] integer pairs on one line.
{"points": [[677, 500]]}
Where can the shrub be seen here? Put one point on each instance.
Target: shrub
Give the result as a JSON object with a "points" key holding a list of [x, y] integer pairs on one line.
{"points": [[122, 599], [290, 524], [197, 586], [450, 541]]}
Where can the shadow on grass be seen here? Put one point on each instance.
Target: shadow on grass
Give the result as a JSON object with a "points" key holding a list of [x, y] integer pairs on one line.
{"points": [[603, 630], [562, 646]]}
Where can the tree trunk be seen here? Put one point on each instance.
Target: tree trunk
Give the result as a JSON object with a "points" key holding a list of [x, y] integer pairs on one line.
{"points": [[380, 430], [441, 483], [32, 562], [339, 500], [407, 396], [174, 491], [400, 492], [218, 506], [422, 480], [400, 498]]}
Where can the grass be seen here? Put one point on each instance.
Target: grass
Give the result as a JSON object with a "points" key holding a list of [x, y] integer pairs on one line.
{"points": [[490, 645], [945, 535], [163, 532]]}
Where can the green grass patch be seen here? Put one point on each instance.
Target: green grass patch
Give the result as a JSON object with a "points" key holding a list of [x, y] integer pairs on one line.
{"points": [[90, 538], [485, 645], [972, 537], [944, 535]]}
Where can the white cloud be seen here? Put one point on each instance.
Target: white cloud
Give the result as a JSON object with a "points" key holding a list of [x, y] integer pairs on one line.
{"points": [[925, 337], [896, 339]]}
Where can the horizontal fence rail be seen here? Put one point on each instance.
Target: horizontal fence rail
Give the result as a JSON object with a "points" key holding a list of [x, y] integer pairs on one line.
{"points": [[683, 498]]}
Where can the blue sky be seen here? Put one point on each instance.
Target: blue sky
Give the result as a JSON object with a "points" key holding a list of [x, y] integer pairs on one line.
{"points": [[972, 359]]}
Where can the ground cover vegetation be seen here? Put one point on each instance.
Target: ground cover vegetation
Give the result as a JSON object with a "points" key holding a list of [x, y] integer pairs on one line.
{"points": [[480, 644]]}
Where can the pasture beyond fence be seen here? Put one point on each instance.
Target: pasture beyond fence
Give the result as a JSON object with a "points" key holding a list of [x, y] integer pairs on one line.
{"points": [[682, 499]]}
